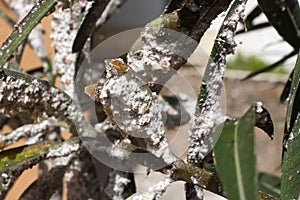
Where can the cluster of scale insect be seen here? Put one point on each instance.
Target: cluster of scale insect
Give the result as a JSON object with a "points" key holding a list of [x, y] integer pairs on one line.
{"points": [[132, 106], [117, 181], [64, 150], [210, 116], [151, 62], [21, 93], [80, 178], [65, 25], [154, 192], [32, 131]]}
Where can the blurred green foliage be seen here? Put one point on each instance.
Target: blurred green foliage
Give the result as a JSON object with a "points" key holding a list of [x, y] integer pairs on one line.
{"points": [[250, 63]]}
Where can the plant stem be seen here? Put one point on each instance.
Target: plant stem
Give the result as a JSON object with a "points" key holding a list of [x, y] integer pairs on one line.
{"points": [[204, 178]]}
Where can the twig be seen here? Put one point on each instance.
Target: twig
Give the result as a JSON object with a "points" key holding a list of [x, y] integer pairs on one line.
{"points": [[155, 192], [203, 178], [31, 131], [37, 98]]}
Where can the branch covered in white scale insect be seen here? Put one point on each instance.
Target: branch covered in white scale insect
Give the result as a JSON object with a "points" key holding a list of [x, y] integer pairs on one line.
{"points": [[65, 25], [33, 132], [210, 115], [154, 192], [117, 182]]}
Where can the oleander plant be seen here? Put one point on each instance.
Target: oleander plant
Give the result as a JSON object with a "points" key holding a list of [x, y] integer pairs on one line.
{"points": [[40, 105]]}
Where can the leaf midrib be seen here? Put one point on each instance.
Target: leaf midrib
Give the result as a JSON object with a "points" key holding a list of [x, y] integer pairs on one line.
{"points": [[237, 164]]}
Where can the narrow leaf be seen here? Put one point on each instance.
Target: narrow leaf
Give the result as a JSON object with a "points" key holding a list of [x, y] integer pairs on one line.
{"points": [[235, 158], [293, 105], [251, 16], [283, 19], [287, 88], [24, 27], [208, 111], [98, 14], [290, 180], [218, 52], [7, 18], [14, 161], [88, 24]]}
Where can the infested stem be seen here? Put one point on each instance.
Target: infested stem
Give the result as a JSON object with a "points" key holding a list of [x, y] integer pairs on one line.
{"points": [[204, 178], [33, 132], [21, 93], [14, 161]]}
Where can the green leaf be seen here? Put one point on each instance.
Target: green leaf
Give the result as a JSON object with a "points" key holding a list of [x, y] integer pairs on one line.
{"points": [[284, 17], [293, 107], [24, 27], [14, 158], [88, 24], [290, 180], [269, 184], [214, 57], [235, 158], [14, 161], [287, 88]]}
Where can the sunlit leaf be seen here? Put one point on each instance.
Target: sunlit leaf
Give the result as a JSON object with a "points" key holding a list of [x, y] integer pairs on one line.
{"points": [[23, 28], [235, 157], [14, 161]]}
